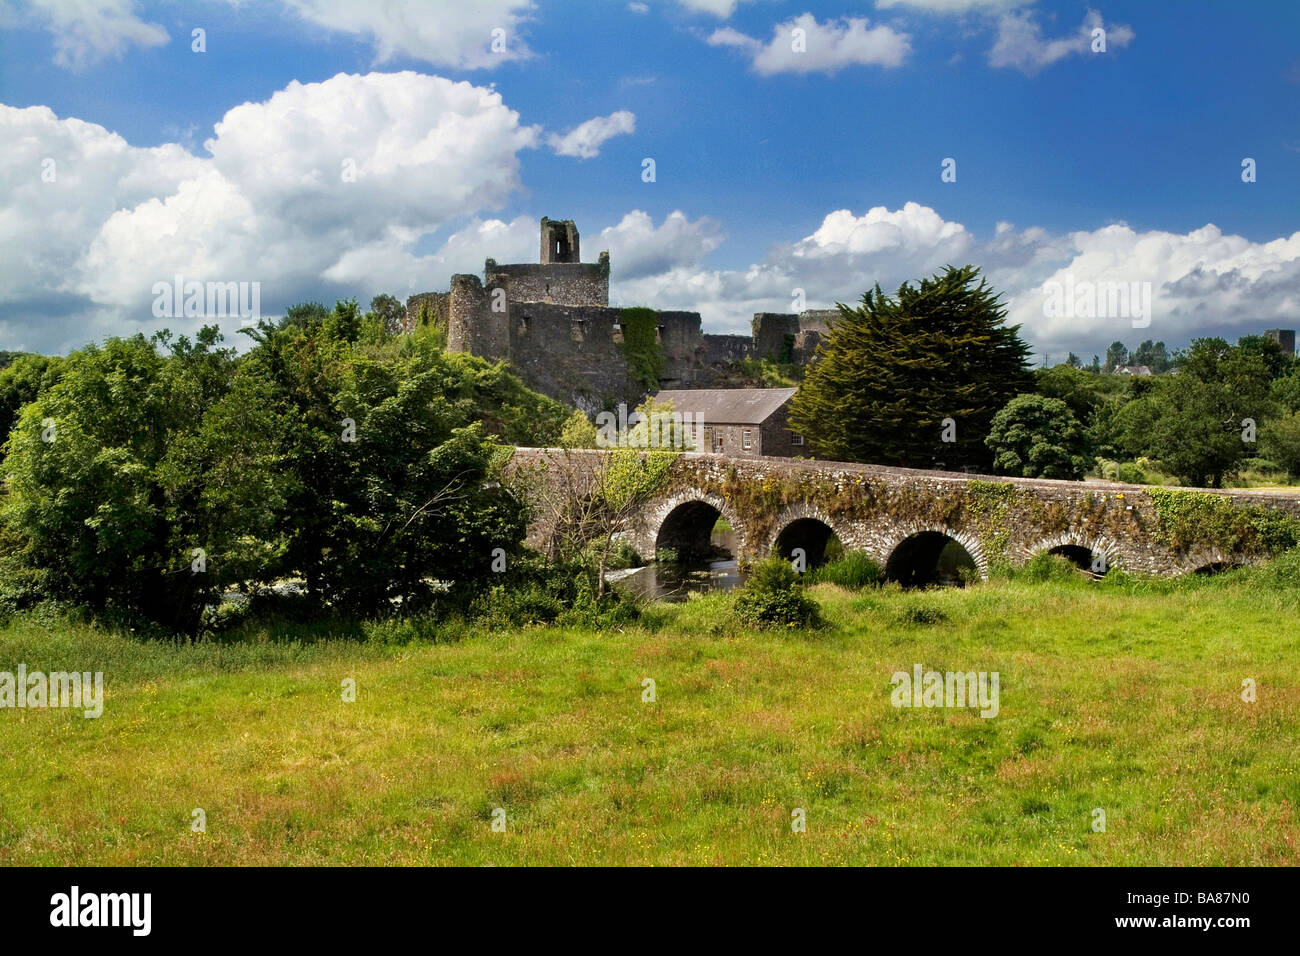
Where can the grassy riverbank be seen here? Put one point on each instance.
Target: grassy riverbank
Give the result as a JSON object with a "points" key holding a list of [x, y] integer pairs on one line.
{"points": [[1121, 697]]}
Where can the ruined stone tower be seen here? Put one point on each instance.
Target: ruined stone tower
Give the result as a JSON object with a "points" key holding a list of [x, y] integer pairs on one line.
{"points": [[559, 241]]}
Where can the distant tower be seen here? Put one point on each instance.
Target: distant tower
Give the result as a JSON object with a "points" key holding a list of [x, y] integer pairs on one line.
{"points": [[559, 241], [1283, 337]]}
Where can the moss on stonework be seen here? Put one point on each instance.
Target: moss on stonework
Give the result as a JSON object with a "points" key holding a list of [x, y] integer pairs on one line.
{"points": [[641, 346], [1187, 520], [989, 503]]}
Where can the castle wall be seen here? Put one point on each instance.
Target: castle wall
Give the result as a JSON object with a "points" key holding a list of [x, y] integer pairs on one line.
{"points": [[814, 325], [724, 349], [787, 337], [679, 335], [774, 334], [570, 353], [805, 346], [817, 319], [563, 283], [472, 325], [437, 304]]}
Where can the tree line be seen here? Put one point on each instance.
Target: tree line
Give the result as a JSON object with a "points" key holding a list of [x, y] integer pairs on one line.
{"points": [[933, 377], [145, 478]]}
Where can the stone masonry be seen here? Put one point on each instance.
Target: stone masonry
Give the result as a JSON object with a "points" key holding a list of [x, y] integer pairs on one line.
{"points": [[882, 510]]}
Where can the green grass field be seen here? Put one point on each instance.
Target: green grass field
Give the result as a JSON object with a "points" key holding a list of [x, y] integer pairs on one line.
{"points": [[1120, 697]]}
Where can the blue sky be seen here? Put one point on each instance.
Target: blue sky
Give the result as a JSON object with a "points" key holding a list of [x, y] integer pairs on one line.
{"points": [[1101, 166]]}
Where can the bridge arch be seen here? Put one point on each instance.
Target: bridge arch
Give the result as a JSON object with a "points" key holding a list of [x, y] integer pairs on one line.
{"points": [[802, 525], [1082, 550], [923, 554], [684, 522], [1210, 561]]}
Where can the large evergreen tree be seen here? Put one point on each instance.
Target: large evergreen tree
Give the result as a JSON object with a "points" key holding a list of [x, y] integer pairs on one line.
{"points": [[892, 370]]}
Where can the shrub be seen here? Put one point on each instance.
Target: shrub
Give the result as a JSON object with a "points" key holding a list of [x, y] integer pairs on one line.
{"points": [[855, 570], [620, 557], [164, 476], [1281, 441], [536, 592], [644, 353], [1042, 568], [1130, 474], [506, 606], [921, 614], [773, 596], [617, 608], [418, 628], [1186, 518], [1282, 573]]}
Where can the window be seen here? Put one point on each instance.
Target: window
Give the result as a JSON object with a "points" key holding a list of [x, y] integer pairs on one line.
{"points": [[796, 439], [717, 442], [746, 439], [659, 333], [525, 322], [618, 331], [577, 332]]}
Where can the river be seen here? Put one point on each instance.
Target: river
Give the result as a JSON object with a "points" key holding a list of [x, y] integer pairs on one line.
{"points": [[674, 582]]}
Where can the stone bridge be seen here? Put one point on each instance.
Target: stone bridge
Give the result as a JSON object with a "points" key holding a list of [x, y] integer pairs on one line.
{"points": [[924, 526]]}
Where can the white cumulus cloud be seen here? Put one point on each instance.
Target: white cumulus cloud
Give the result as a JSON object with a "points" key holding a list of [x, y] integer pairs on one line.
{"points": [[88, 31], [585, 139], [910, 230], [641, 248], [324, 187], [952, 6], [718, 8], [1203, 282], [802, 45], [447, 33], [451, 33], [1020, 43]]}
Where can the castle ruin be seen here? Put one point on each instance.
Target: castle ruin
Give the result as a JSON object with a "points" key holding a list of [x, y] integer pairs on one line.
{"points": [[551, 320]]}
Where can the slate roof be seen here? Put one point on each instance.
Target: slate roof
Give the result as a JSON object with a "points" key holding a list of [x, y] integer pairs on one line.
{"points": [[728, 406]]}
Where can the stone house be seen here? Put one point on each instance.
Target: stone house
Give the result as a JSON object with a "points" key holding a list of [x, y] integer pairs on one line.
{"points": [[739, 422]]}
